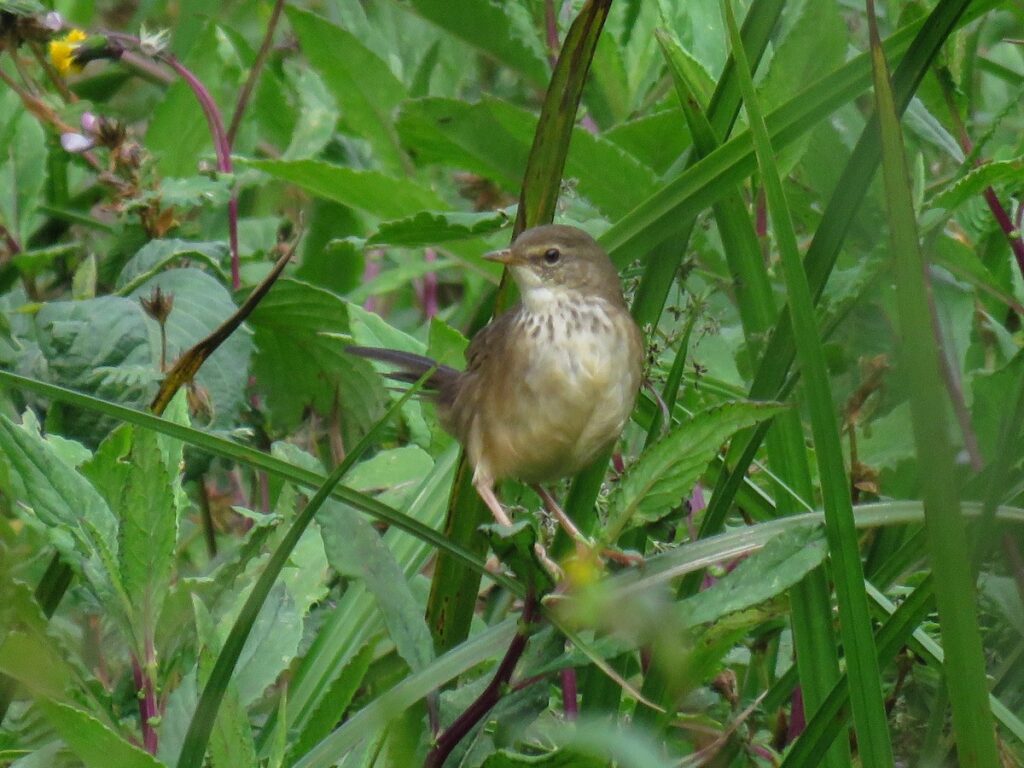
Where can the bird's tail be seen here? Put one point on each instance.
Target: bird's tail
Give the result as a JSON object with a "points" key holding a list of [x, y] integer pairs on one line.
{"points": [[409, 367]]}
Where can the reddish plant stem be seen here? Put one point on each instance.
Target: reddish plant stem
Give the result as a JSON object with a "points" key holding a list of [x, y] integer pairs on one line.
{"points": [[221, 146], [254, 73], [569, 704], [1002, 217], [147, 705], [490, 696]]}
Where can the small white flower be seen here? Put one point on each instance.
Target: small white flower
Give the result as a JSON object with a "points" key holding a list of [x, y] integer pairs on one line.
{"points": [[152, 43], [53, 21], [75, 142]]}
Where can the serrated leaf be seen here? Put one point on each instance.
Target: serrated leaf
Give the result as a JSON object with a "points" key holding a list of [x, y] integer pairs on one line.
{"points": [[376, 193], [398, 276], [103, 347], [300, 361], [365, 89], [271, 645], [80, 523], [433, 227], [94, 743], [334, 703], [493, 29], [149, 527], [976, 181], [782, 563], [201, 304], [354, 548], [666, 473]]}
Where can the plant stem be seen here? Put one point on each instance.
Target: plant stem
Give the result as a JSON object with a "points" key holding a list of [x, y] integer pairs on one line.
{"points": [[490, 696], [254, 73]]}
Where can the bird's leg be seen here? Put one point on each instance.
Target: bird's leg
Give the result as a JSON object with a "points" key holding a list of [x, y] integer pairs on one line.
{"points": [[583, 544], [485, 487], [558, 513]]}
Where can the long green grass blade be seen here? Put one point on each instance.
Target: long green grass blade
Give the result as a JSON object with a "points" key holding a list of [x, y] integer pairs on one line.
{"points": [[855, 624], [778, 358], [964, 665]]}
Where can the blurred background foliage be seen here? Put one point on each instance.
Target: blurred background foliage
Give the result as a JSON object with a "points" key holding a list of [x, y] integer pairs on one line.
{"points": [[156, 165]]}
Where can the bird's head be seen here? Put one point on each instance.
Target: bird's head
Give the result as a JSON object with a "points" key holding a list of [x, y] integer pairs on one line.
{"points": [[556, 261]]}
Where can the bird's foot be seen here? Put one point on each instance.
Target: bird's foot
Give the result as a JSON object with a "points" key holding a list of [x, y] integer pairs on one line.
{"points": [[586, 548]]}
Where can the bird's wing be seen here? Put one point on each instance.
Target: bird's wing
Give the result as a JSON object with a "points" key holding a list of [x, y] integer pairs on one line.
{"points": [[489, 340]]}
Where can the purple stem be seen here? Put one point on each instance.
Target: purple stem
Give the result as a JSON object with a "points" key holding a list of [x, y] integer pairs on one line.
{"points": [[797, 719], [569, 704], [490, 696], [147, 705], [221, 146]]}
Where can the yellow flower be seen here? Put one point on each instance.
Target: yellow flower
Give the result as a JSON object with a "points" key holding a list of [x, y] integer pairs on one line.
{"points": [[62, 51]]}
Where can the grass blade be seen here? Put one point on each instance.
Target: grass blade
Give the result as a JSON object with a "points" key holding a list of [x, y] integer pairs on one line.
{"points": [[855, 623], [964, 665]]}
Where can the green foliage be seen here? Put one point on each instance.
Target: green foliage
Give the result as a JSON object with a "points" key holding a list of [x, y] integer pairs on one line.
{"points": [[200, 588]]}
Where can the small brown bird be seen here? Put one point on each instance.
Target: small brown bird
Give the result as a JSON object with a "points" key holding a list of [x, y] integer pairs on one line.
{"points": [[550, 384]]}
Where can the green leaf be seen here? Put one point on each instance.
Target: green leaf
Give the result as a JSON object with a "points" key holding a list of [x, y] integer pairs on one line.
{"points": [[201, 304], [272, 643], [428, 228], [149, 528], [515, 546], [22, 175], [157, 254], [975, 181], [300, 361], [666, 473], [78, 520], [103, 346], [370, 330], [399, 276], [94, 743], [366, 91], [492, 138], [376, 193], [782, 563], [334, 702], [499, 30], [354, 548], [318, 109]]}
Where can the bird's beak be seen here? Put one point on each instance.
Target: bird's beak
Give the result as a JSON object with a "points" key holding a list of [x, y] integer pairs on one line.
{"points": [[504, 256]]}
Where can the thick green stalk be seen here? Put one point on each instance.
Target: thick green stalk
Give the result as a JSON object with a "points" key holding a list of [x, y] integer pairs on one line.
{"points": [[855, 623]]}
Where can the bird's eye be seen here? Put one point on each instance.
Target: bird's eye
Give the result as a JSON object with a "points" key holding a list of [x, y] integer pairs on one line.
{"points": [[551, 256]]}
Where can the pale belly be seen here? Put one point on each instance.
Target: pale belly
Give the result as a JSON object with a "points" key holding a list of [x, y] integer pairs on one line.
{"points": [[575, 397]]}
